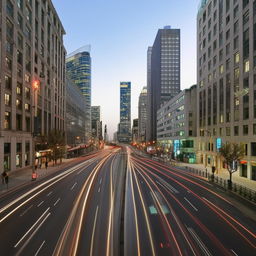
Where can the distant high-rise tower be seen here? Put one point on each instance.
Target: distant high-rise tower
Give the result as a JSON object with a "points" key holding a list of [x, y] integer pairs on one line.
{"points": [[164, 71], [78, 65], [124, 133], [149, 104], [96, 122], [142, 115]]}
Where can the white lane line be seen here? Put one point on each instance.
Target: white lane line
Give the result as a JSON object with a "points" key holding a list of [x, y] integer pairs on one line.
{"points": [[234, 252], [199, 242], [56, 202], [40, 248], [168, 186], [100, 180], [33, 234], [26, 210], [191, 204], [93, 232], [99, 190], [53, 180], [40, 204], [31, 228], [73, 186], [49, 193]]}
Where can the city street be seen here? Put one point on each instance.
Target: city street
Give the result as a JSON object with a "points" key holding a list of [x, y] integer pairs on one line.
{"points": [[118, 203]]}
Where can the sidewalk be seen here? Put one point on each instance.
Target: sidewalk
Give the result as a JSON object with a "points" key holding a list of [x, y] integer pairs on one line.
{"points": [[22, 177], [251, 184]]}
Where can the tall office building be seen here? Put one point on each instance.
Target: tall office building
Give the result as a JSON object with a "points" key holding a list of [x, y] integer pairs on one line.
{"points": [[96, 123], [32, 91], [78, 65], [124, 131], [226, 77], [149, 104], [164, 72], [142, 115]]}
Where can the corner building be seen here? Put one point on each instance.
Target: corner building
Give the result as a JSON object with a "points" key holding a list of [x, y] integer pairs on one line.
{"points": [[226, 61], [176, 126], [32, 79]]}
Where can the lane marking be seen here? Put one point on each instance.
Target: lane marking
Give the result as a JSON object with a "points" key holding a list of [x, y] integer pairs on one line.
{"points": [[234, 252], [40, 248], [26, 210], [40, 204], [56, 202], [199, 242], [191, 204], [22, 238], [100, 180], [99, 190], [73, 186], [33, 234], [49, 193], [168, 186], [93, 232]]}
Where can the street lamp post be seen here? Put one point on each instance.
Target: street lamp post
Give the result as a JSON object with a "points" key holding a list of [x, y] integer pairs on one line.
{"points": [[35, 88]]}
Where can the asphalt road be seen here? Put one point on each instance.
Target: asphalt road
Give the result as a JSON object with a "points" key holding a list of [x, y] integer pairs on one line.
{"points": [[117, 203]]}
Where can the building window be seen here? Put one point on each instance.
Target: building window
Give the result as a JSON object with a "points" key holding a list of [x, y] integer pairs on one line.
{"points": [[7, 120], [7, 156], [27, 92], [253, 148], [19, 122], [236, 41], [8, 82], [9, 8], [18, 154], [9, 29], [246, 66], [19, 57], [28, 125], [27, 107], [7, 99], [221, 69], [20, 3], [8, 63], [19, 88], [237, 57], [227, 131], [18, 104], [254, 129], [245, 130], [236, 130]]}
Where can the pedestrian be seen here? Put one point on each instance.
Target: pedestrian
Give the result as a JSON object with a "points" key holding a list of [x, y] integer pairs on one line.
{"points": [[46, 165]]}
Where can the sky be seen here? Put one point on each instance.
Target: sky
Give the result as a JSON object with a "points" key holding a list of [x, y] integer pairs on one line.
{"points": [[119, 32]]}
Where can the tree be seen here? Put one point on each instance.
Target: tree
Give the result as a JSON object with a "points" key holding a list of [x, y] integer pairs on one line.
{"points": [[56, 142], [232, 154]]}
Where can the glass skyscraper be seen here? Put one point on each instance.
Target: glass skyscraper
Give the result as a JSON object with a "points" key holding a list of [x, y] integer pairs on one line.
{"points": [[124, 133], [78, 65]]}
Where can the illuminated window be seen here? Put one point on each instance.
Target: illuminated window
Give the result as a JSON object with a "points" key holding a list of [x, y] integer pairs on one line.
{"points": [[246, 66], [221, 69], [7, 99], [237, 57]]}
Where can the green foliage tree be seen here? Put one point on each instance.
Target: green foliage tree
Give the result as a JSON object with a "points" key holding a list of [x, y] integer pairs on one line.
{"points": [[232, 154]]}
